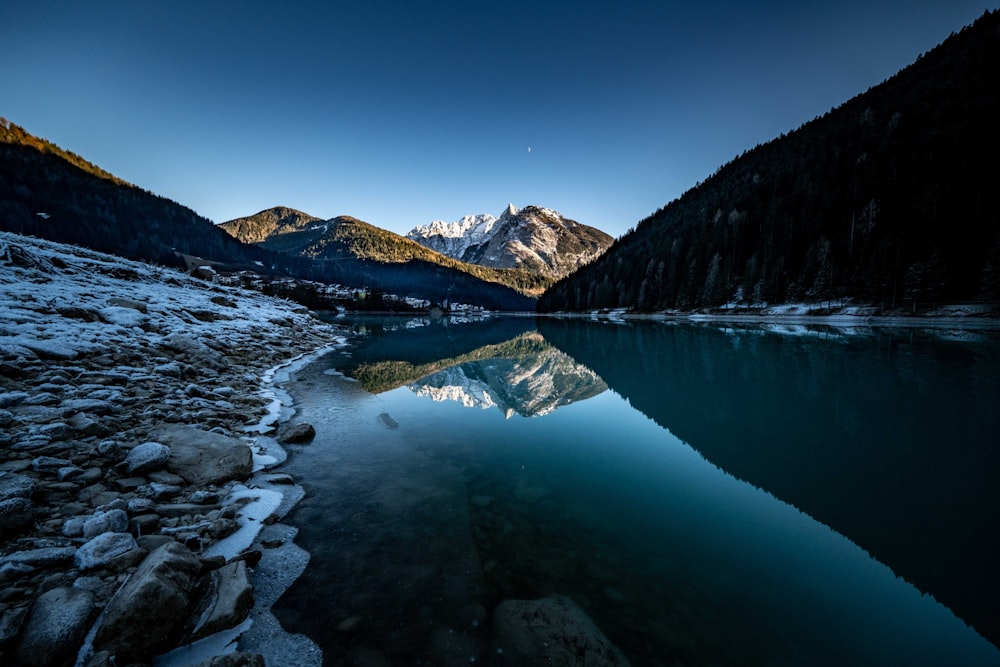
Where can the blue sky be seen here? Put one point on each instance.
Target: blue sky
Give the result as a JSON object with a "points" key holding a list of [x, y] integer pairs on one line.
{"points": [[400, 113]]}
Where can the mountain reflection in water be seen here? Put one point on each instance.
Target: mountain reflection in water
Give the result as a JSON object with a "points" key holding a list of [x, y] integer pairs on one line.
{"points": [[423, 516]]}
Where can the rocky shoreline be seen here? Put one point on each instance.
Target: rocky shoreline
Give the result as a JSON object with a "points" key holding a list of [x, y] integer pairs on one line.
{"points": [[137, 512]]}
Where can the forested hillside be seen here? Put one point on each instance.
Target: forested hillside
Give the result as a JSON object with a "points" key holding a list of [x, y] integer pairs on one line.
{"points": [[51, 193], [892, 199]]}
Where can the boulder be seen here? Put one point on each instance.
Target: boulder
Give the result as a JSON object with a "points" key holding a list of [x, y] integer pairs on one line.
{"points": [[107, 549], [147, 612], [551, 631], [225, 600], [147, 457], [55, 627], [204, 458]]}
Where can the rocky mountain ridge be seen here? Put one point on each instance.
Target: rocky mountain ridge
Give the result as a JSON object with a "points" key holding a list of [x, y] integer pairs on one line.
{"points": [[534, 238], [396, 263]]}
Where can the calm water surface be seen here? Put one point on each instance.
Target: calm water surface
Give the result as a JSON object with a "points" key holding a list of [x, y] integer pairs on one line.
{"points": [[708, 494]]}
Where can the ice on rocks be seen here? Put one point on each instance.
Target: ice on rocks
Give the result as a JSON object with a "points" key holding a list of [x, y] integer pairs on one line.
{"points": [[263, 503]]}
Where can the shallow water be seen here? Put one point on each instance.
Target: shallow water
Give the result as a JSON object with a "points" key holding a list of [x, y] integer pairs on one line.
{"points": [[472, 463]]}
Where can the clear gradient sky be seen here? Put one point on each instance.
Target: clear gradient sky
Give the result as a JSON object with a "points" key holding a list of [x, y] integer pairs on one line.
{"points": [[403, 112]]}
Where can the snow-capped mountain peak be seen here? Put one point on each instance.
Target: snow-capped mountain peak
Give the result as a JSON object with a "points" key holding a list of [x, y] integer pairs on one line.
{"points": [[533, 238]]}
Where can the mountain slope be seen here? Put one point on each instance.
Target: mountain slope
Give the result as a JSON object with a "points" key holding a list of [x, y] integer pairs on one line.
{"points": [[277, 220], [892, 199], [54, 194], [533, 238], [345, 238]]}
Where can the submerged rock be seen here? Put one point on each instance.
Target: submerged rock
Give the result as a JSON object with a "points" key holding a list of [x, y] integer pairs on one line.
{"points": [[296, 434], [55, 627], [551, 631]]}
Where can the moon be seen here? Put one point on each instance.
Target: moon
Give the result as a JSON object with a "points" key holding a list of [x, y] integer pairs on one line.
{"points": [[529, 149]]}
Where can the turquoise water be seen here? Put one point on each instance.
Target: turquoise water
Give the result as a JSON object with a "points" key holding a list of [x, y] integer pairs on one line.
{"points": [[472, 463]]}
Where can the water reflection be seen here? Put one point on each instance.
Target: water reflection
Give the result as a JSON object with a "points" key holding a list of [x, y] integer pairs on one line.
{"points": [[422, 517], [523, 375], [889, 437]]}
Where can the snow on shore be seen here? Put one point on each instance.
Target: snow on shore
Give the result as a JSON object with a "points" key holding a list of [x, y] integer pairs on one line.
{"points": [[97, 355]]}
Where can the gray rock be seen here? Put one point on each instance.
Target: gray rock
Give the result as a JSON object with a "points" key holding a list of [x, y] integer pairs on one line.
{"points": [[6, 418], [140, 505], [205, 497], [225, 600], [128, 303], [179, 509], [146, 457], [86, 425], [161, 491], [204, 458], [73, 527], [165, 477], [15, 515], [296, 434], [13, 571], [56, 431], [11, 398], [111, 449], [107, 549], [55, 627], [93, 406], [68, 473], [551, 631], [13, 485], [147, 612], [50, 349], [236, 659], [43, 557], [42, 398], [49, 463], [10, 624], [113, 521]]}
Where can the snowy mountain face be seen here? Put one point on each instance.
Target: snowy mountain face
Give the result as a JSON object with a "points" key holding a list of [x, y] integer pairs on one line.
{"points": [[534, 238]]}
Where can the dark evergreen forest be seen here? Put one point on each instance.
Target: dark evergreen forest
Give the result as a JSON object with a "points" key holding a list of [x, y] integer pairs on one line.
{"points": [[892, 199]]}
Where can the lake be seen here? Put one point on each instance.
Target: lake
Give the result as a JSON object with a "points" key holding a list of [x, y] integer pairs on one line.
{"points": [[708, 493]]}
